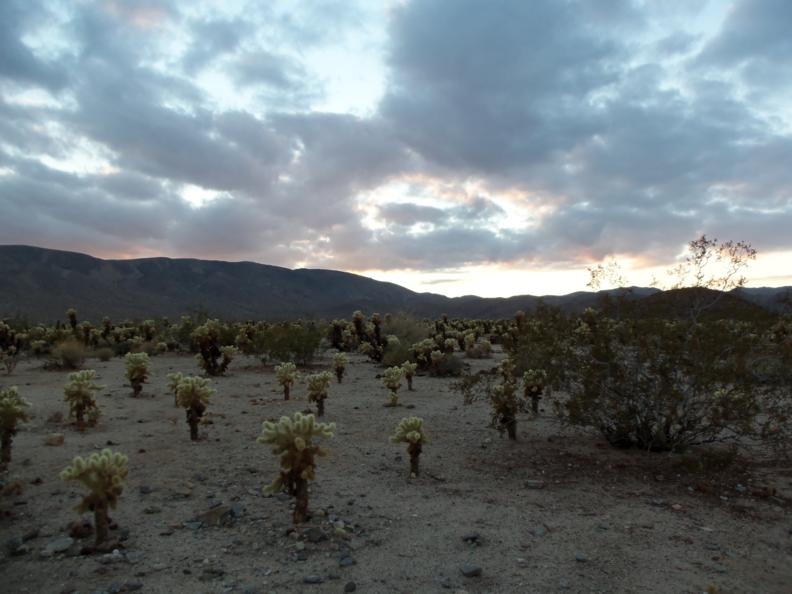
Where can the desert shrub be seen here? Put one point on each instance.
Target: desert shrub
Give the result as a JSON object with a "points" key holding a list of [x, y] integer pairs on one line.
{"points": [[286, 374], [292, 440], [9, 357], [79, 395], [318, 386], [103, 474], [137, 371], [296, 342], [104, 354], [213, 356], [339, 365], [69, 354], [446, 365], [12, 412], [410, 431], [192, 394]]}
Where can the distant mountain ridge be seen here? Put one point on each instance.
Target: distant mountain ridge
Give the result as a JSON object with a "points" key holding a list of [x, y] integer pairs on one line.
{"points": [[41, 284]]}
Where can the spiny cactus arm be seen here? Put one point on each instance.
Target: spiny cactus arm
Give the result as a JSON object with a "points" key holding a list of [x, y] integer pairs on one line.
{"points": [[103, 473], [12, 409], [192, 391], [409, 430]]}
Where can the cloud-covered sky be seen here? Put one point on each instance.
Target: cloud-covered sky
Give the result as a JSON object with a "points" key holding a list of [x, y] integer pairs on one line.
{"points": [[453, 146]]}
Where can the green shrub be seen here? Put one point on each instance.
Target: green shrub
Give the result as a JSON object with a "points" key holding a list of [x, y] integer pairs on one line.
{"points": [[69, 354]]}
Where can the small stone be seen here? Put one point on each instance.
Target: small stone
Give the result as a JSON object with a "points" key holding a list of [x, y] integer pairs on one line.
{"points": [[132, 586], [658, 502], [134, 557], [57, 545], [15, 546], [54, 439], [741, 488], [145, 490], [472, 537], [314, 535], [346, 561], [534, 484], [350, 587], [152, 510], [563, 584], [193, 525], [539, 530], [312, 579], [219, 515], [470, 570], [580, 557]]}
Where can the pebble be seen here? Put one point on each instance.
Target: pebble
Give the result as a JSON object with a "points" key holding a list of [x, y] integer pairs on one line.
{"points": [[57, 545], [472, 537], [315, 535], [54, 439], [16, 546], [539, 530], [312, 579], [470, 570], [535, 484], [350, 587], [346, 561], [580, 557]]}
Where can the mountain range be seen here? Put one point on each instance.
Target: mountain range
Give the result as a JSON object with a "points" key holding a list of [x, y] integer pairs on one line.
{"points": [[40, 284]]}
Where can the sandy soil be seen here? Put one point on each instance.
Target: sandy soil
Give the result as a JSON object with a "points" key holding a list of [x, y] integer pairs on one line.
{"points": [[556, 511]]}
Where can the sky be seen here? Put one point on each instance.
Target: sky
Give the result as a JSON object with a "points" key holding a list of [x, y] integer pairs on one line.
{"points": [[452, 146]]}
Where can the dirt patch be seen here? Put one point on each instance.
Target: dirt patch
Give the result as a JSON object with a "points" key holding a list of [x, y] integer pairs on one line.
{"points": [[556, 511]]}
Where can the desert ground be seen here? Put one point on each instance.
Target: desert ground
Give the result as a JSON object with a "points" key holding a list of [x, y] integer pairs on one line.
{"points": [[556, 511]]}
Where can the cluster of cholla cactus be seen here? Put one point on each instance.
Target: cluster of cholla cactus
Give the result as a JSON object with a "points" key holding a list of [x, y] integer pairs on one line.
{"points": [[339, 365], [410, 431], [534, 381], [292, 439], [192, 394], [79, 394], [391, 379], [9, 358], [103, 473], [409, 370], [174, 379], [286, 374], [318, 386], [137, 371], [12, 412], [212, 358]]}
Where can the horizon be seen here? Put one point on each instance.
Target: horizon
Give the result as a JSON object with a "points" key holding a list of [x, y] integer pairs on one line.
{"points": [[448, 146], [585, 289]]}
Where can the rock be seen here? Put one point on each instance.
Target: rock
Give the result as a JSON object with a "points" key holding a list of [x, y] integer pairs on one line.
{"points": [[54, 439], [346, 561], [16, 546], [314, 535], [152, 510], [539, 530], [470, 570], [134, 557], [580, 557], [81, 528], [145, 490], [193, 525], [741, 488], [472, 538], [350, 587], [535, 484], [312, 579], [57, 545], [658, 502], [220, 515]]}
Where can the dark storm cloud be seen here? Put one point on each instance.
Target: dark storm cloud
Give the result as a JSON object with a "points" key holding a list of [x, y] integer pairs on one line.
{"points": [[615, 141]]}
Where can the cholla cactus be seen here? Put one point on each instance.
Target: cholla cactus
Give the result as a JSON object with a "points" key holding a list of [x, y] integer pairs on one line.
{"points": [[533, 386], [193, 394], [286, 373], [79, 394], [173, 385], [291, 438], [318, 385], [9, 358], [449, 345], [207, 340], [228, 353], [339, 365], [391, 379], [12, 411], [410, 431], [409, 370], [137, 371], [104, 475]]}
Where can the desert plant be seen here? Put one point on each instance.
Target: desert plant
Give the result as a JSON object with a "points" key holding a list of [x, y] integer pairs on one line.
{"points": [[193, 395], [69, 354], [318, 385], [9, 358], [103, 473], [79, 394], [12, 412], [410, 431], [292, 439], [286, 374], [339, 365], [409, 370], [533, 387], [104, 354], [504, 402], [173, 385], [137, 371], [206, 338], [391, 379]]}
